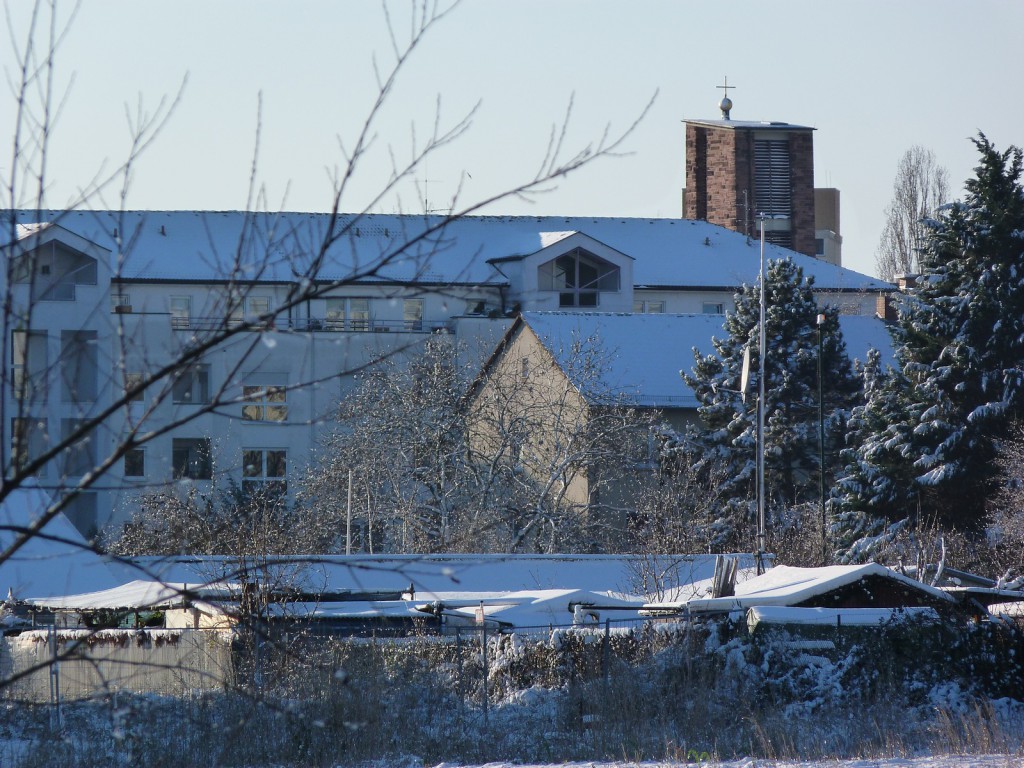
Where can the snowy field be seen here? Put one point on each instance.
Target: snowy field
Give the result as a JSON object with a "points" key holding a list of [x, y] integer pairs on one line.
{"points": [[948, 761]]}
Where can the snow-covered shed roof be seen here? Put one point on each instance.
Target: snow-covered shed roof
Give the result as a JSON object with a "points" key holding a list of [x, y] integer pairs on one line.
{"points": [[640, 355], [431, 575], [57, 561], [205, 246], [135, 595], [790, 586]]}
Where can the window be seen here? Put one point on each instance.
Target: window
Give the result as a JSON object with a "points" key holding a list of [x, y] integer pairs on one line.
{"points": [[819, 246], [649, 307], [79, 456], [264, 470], [135, 462], [29, 366], [28, 440], [359, 314], [131, 381], [119, 300], [79, 370], [348, 315], [192, 385], [191, 457], [181, 311], [578, 277], [264, 403], [526, 368], [412, 314], [253, 306], [711, 308]]}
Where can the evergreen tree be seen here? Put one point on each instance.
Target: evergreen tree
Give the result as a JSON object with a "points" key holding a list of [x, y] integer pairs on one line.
{"points": [[877, 481], [961, 339], [728, 432]]}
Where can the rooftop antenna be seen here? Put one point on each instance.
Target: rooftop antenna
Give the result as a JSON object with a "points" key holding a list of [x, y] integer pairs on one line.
{"points": [[726, 103]]}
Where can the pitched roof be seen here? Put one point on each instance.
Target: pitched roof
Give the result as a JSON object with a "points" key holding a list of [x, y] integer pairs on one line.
{"points": [[789, 586], [56, 562], [205, 245], [641, 355]]}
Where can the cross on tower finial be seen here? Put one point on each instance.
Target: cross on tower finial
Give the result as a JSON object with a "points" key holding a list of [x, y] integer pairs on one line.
{"points": [[726, 103]]}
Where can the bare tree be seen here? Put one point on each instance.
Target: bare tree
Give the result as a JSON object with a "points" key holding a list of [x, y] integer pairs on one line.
{"points": [[133, 389], [920, 187], [568, 451], [417, 466]]}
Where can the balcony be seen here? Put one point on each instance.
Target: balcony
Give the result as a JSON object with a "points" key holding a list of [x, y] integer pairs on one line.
{"points": [[314, 325]]}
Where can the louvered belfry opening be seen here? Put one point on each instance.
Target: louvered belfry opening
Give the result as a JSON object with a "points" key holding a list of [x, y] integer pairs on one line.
{"points": [[773, 185]]}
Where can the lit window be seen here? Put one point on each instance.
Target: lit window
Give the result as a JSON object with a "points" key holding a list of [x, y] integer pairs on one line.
{"points": [[263, 403]]}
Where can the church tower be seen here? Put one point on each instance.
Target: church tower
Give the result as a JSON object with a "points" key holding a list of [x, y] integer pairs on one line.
{"points": [[736, 171]]}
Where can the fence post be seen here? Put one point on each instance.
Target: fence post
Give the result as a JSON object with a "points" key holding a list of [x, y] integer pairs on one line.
{"points": [[54, 681], [605, 650], [458, 667], [484, 644]]}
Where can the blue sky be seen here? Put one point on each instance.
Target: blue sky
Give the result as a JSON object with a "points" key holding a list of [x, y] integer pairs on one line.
{"points": [[873, 77]]}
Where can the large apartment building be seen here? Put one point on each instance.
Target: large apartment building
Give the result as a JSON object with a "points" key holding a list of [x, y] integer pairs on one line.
{"points": [[220, 343]]}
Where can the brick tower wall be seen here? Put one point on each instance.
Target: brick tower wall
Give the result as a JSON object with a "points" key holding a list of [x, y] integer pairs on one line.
{"points": [[801, 168]]}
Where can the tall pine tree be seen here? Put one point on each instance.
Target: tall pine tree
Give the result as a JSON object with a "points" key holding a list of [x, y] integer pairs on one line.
{"points": [[728, 432], [960, 339]]}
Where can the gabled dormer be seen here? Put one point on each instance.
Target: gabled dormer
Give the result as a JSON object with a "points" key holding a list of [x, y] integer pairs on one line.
{"points": [[570, 271], [55, 263]]}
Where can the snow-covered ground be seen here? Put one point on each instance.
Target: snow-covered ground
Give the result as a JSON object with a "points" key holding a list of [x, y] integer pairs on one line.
{"points": [[945, 761]]}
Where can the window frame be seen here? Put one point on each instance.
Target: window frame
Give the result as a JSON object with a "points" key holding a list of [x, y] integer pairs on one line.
{"points": [[264, 403], [270, 476], [199, 451], [198, 375], [181, 316]]}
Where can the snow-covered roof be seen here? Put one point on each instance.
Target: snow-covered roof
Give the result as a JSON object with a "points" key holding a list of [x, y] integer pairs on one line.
{"points": [[846, 617], [641, 355], [862, 333], [432, 575], [789, 586], [133, 595], [204, 245], [56, 562], [758, 125], [638, 356]]}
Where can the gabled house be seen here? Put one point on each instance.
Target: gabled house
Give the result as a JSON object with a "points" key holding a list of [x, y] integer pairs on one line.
{"points": [[554, 375]]}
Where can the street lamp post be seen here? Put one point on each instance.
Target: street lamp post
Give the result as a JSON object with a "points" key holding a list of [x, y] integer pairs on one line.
{"points": [[821, 439], [762, 347]]}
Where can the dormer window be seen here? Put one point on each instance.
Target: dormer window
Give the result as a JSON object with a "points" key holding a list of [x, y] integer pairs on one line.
{"points": [[579, 277]]}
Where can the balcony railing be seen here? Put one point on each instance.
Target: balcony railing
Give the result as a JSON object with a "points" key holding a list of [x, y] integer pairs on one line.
{"points": [[315, 325]]}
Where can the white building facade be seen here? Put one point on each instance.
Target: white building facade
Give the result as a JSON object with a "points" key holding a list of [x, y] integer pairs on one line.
{"points": [[218, 345]]}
